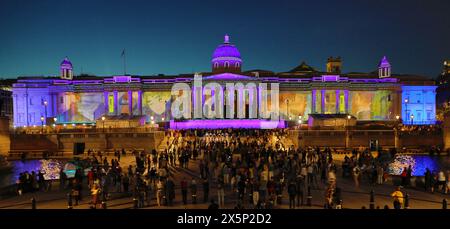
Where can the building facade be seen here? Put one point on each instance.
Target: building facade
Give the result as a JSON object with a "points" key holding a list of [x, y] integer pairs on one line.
{"points": [[376, 96]]}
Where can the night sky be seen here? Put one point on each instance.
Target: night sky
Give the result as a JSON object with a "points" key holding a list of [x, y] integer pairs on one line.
{"points": [[173, 37]]}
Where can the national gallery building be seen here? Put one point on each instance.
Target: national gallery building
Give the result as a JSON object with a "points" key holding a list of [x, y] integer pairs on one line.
{"points": [[304, 93]]}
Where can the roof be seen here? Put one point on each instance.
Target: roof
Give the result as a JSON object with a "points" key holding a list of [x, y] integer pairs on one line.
{"points": [[303, 67]]}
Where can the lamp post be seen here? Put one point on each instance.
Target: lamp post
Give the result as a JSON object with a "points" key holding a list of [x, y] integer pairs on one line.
{"points": [[406, 108], [42, 124], [287, 108], [45, 105], [103, 121], [347, 138], [412, 119], [54, 122], [396, 140]]}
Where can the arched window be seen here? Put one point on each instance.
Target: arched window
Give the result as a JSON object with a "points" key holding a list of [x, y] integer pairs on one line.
{"points": [[237, 64], [227, 64], [216, 64]]}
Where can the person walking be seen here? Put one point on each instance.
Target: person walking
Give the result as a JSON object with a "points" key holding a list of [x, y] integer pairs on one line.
{"points": [[397, 195]]}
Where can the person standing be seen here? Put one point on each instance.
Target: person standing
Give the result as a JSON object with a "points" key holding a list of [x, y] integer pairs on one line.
{"points": [[300, 183], [170, 191], [427, 179], [397, 195], [125, 183], [184, 187], [205, 189], [159, 192], [194, 190], [292, 190], [221, 193], [356, 173], [380, 173]]}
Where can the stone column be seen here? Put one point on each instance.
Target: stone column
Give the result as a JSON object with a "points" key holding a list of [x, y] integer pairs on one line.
{"points": [[322, 99], [313, 101], [346, 102], [106, 98], [338, 102], [130, 102], [139, 102], [116, 104]]}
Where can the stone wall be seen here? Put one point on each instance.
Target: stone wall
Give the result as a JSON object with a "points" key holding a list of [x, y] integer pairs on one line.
{"points": [[4, 136], [96, 141], [357, 138]]}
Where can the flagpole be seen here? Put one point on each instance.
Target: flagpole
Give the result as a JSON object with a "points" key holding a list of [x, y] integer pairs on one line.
{"points": [[124, 62]]}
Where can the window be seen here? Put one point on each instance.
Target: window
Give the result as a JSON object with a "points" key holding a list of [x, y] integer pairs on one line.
{"points": [[61, 99], [227, 64], [237, 64], [216, 65], [31, 101], [428, 115]]}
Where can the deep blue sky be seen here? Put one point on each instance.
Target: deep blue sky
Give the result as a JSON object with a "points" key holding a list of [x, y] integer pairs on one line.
{"points": [[173, 37]]}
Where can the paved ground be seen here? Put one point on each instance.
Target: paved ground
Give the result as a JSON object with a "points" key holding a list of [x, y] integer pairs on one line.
{"points": [[353, 198]]}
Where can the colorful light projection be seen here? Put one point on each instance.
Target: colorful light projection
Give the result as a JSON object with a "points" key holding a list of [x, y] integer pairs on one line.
{"points": [[226, 123], [420, 108], [419, 164], [294, 103], [330, 102], [154, 104], [123, 103], [80, 107], [372, 105]]}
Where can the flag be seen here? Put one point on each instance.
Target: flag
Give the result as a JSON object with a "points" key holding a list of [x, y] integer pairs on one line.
{"points": [[123, 53]]}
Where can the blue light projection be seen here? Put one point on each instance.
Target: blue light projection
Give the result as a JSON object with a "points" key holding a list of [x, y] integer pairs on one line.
{"points": [[418, 105]]}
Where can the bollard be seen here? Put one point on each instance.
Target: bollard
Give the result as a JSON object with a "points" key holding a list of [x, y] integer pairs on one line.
{"points": [[406, 201], [69, 201], [309, 198], [103, 204], [372, 200], [444, 204], [135, 203], [33, 203]]}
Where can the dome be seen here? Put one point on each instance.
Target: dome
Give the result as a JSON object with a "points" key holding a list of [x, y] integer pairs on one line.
{"points": [[226, 51], [66, 62], [226, 58]]}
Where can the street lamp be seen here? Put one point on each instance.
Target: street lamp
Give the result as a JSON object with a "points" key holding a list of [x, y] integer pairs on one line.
{"points": [[412, 119], [45, 105], [287, 108], [397, 117], [406, 108], [103, 121], [347, 134], [42, 124]]}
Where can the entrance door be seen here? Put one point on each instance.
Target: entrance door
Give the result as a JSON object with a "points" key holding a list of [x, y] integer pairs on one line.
{"points": [[373, 144], [78, 148]]}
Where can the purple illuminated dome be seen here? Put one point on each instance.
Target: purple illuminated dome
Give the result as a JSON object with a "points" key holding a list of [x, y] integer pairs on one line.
{"points": [[66, 69], [66, 63], [226, 58], [384, 63]]}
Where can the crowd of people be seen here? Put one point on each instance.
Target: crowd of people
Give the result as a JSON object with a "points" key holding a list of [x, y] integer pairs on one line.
{"points": [[243, 168]]}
